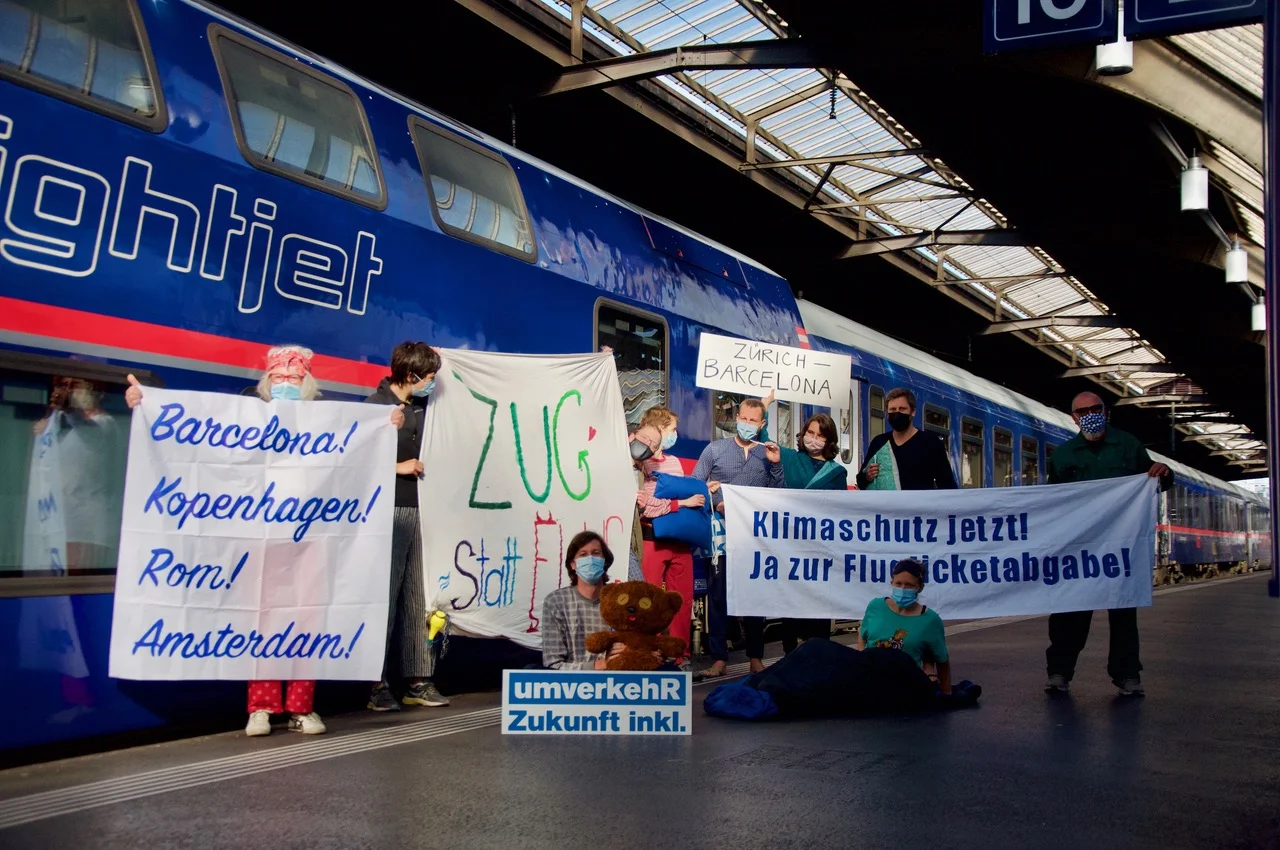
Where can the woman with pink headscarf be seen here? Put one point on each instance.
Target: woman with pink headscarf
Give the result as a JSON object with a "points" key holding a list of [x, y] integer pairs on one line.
{"points": [[288, 378]]}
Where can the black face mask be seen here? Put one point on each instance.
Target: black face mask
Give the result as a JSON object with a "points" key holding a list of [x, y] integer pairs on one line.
{"points": [[639, 451], [899, 421]]}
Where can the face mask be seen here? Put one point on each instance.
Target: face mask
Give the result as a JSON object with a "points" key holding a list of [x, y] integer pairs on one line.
{"points": [[814, 444], [639, 451], [899, 421], [905, 597], [423, 392], [589, 568], [288, 392], [747, 431], [669, 440], [1093, 424]]}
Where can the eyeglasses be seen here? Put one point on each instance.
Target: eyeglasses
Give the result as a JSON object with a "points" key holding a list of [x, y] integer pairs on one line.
{"points": [[1082, 411], [286, 379]]}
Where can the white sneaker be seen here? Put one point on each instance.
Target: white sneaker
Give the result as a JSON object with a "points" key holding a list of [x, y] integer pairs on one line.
{"points": [[259, 724], [307, 724]]}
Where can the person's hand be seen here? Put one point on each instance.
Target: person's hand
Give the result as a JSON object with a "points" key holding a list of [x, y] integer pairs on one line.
{"points": [[1158, 470], [599, 665], [604, 349], [695, 501], [873, 469], [713, 487], [769, 399], [133, 395], [616, 650], [39, 427], [397, 416], [413, 466], [772, 453]]}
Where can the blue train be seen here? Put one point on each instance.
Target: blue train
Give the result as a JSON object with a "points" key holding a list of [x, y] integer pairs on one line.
{"points": [[182, 189]]}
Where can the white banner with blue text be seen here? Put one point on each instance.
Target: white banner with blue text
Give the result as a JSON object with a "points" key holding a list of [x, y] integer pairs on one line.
{"points": [[255, 541], [608, 702], [989, 552], [520, 453]]}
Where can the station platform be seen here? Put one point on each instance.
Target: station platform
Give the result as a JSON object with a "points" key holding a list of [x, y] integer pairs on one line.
{"points": [[1194, 764]]}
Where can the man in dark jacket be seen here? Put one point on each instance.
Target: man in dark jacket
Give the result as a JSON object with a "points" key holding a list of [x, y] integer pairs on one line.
{"points": [[413, 376], [1098, 451], [905, 458]]}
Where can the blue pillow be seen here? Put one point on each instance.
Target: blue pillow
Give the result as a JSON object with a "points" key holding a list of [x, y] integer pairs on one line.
{"points": [[691, 526]]}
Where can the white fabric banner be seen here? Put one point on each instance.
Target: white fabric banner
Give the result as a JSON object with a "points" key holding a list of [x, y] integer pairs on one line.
{"points": [[990, 552], [759, 368], [255, 541], [520, 453]]}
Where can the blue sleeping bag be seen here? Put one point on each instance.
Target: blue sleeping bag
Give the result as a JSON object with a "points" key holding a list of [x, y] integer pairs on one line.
{"points": [[825, 678]]}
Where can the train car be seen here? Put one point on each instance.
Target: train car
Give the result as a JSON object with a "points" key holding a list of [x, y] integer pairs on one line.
{"points": [[1000, 438], [183, 190]]}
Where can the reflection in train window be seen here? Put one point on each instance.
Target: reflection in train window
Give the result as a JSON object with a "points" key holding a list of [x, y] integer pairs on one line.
{"points": [[875, 413], [63, 444], [639, 343], [1002, 457], [971, 444], [1030, 461], [938, 420], [844, 425]]}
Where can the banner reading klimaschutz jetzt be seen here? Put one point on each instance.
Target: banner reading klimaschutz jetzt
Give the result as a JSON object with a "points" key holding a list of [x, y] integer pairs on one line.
{"points": [[609, 702], [992, 552]]}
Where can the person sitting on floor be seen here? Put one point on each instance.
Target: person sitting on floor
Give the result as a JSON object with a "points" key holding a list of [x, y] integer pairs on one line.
{"points": [[899, 621]]}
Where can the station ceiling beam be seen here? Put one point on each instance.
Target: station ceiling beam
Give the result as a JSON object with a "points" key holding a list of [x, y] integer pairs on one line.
{"points": [[1129, 368], [890, 244], [1054, 322], [1167, 400], [776, 53]]}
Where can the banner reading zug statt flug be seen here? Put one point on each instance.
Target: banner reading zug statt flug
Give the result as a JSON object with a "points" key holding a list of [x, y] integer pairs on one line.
{"points": [[989, 552], [255, 541]]}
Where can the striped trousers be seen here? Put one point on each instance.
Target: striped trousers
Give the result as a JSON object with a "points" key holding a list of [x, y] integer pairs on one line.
{"points": [[408, 605]]}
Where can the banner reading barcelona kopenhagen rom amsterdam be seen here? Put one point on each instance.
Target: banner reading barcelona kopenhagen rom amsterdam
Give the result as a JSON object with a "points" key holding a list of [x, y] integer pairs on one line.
{"points": [[989, 552], [521, 452], [255, 541]]}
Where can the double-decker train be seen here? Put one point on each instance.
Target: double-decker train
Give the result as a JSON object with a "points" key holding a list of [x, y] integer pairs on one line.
{"points": [[182, 189]]}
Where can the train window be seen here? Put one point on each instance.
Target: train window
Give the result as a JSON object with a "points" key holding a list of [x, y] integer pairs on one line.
{"points": [[91, 52], [474, 192], [938, 420], [1002, 457], [724, 414], [971, 449], [1030, 461], [639, 343], [297, 122], [64, 437], [875, 412], [844, 425]]}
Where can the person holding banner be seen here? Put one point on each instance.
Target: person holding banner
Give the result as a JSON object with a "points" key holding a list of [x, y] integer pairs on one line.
{"points": [[1098, 451], [905, 458], [413, 377], [571, 613], [667, 563], [900, 622], [287, 377], [738, 461]]}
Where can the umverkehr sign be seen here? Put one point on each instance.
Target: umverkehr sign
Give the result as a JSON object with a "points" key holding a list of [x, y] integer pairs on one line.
{"points": [[759, 368]]}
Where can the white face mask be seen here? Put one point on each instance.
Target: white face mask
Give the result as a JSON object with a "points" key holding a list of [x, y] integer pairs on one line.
{"points": [[814, 444]]}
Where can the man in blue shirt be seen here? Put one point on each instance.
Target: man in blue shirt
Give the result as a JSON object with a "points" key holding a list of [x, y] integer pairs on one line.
{"points": [[739, 461]]}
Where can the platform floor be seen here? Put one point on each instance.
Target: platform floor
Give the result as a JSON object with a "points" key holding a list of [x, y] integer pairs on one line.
{"points": [[1194, 764]]}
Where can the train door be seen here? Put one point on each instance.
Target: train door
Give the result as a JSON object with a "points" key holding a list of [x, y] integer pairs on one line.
{"points": [[848, 419]]}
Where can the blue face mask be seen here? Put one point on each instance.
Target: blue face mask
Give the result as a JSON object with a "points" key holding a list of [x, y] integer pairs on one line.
{"points": [[905, 597], [589, 568], [669, 440], [287, 392], [747, 431], [1093, 424], [423, 392]]}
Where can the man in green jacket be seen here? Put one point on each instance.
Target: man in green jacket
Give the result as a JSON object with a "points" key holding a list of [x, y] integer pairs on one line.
{"points": [[1098, 451]]}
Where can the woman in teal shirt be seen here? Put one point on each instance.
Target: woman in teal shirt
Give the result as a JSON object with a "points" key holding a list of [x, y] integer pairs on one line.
{"points": [[900, 622]]}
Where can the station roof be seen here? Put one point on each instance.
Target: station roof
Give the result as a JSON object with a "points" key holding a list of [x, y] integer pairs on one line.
{"points": [[795, 95]]}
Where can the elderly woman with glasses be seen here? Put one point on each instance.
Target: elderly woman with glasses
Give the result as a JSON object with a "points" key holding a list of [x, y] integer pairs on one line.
{"points": [[287, 378]]}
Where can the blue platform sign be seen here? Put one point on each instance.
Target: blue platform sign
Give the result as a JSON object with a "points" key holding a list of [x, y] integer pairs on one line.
{"points": [[1026, 24], [1148, 18]]}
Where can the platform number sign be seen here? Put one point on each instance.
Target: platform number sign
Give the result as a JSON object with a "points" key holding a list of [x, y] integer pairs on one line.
{"points": [[1025, 24]]}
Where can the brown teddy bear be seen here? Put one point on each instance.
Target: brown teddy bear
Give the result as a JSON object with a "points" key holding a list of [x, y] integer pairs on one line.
{"points": [[637, 612]]}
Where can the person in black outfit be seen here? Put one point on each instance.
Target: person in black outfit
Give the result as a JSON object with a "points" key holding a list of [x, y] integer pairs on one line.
{"points": [[919, 458], [413, 377]]}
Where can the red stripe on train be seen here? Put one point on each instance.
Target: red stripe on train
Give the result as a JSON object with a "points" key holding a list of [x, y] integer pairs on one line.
{"points": [[1182, 529], [130, 335]]}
